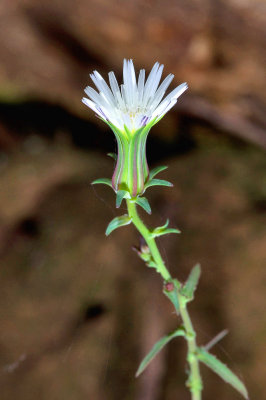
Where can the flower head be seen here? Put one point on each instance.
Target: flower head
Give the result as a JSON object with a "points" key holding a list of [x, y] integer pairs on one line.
{"points": [[131, 111], [136, 103]]}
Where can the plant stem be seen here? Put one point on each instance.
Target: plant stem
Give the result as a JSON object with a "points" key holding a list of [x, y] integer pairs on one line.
{"points": [[161, 268], [194, 381]]}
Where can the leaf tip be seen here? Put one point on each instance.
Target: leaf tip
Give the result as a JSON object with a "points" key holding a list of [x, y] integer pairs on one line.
{"points": [[198, 267], [137, 374]]}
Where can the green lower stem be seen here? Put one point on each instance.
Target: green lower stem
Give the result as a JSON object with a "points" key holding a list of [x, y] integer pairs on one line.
{"points": [[194, 381]]}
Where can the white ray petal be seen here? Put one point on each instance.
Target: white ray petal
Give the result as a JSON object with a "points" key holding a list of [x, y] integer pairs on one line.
{"points": [[133, 104], [96, 109], [161, 90], [115, 87], [102, 86], [177, 92], [149, 82], [141, 85]]}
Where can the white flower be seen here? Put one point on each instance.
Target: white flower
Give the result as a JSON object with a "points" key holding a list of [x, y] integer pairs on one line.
{"points": [[135, 104]]}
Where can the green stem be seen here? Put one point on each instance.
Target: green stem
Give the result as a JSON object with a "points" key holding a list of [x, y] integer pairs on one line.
{"points": [[161, 268], [194, 381]]}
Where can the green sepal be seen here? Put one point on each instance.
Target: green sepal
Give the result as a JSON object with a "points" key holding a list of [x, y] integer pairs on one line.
{"points": [[163, 230], [104, 181], [112, 155], [172, 295], [158, 182], [157, 348], [222, 370], [117, 222], [190, 286], [120, 195], [128, 131], [156, 171], [143, 202]]}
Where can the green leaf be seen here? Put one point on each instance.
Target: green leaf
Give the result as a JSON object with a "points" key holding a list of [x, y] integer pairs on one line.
{"points": [[172, 295], [158, 182], [112, 155], [120, 195], [104, 181], [143, 202], [222, 370], [191, 284], [163, 230], [117, 222], [156, 171], [157, 348], [164, 226]]}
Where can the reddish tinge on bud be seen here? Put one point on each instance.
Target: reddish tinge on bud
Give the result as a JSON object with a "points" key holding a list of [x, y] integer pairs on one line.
{"points": [[169, 286]]}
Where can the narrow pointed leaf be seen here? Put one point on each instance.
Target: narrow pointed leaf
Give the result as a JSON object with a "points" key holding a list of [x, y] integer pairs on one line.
{"points": [[143, 202], [104, 181], [156, 171], [112, 155], [172, 295], [158, 182], [222, 370], [163, 226], [157, 348], [170, 230], [120, 195], [191, 283], [163, 230], [117, 222]]}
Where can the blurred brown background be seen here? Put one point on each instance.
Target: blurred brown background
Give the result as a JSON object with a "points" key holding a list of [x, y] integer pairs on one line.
{"points": [[79, 310]]}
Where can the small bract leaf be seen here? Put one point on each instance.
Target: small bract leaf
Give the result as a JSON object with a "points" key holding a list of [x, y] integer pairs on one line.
{"points": [[163, 230], [172, 295], [157, 348], [150, 263], [164, 226], [104, 181], [143, 202], [170, 230], [222, 370], [120, 195], [157, 182], [117, 222], [112, 155], [156, 171], [191, 284]]}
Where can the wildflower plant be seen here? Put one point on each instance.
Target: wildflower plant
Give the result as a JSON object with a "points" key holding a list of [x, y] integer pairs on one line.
{"points": [[131, 110]]}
